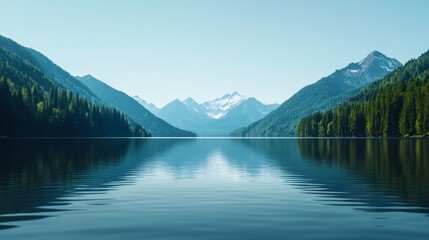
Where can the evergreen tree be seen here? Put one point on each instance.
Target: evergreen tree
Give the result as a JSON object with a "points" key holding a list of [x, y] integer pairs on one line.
{"points": [[396, 105], [31, 105]]}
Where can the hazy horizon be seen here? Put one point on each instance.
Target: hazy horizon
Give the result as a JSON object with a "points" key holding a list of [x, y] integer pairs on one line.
{"points": [[166, 50]]}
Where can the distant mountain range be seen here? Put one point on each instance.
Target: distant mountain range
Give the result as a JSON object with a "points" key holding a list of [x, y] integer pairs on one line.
{"points": [[325, 94], [212, 118], [149, 106], [29, 70], [127, 105]]}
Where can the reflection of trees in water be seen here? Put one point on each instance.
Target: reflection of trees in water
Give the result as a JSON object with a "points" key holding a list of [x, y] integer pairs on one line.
{"points": [[399, 167], [34, 173], [369, 174], [29, 164]]}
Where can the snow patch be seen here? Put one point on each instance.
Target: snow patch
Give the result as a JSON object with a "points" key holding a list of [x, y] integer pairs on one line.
{"points": [[216, 116], [219, 107]]}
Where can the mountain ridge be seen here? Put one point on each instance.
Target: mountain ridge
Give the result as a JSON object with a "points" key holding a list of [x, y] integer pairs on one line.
{"points": [[322, 95], [149, 106], [52, 70], [32, 104], [130, 107], [394, 106], [216, 117]]}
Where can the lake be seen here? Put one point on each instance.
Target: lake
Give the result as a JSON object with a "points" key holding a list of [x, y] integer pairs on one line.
{"points": [[214, 189]]}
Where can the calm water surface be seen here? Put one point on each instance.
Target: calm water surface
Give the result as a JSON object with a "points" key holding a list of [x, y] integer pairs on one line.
{"points": [[214, 189]]}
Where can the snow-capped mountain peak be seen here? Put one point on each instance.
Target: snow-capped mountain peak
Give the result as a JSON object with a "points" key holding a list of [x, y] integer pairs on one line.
{"points": [[219, 107], [378, 58], [217, 117], [372, 67]]}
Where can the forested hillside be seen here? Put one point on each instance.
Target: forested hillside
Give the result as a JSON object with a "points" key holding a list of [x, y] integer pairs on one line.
{"points": [[31, 104], [52, 71], [323, 95], [130, 107], [396, 105]]}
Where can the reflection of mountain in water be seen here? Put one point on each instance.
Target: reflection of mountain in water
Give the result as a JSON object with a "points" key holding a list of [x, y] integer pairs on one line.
{"points": [[186, 160], [35, 174], [372, 175], [38, 176]]}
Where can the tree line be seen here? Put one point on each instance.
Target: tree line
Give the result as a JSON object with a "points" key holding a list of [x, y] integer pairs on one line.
{"points": [[396, 105], [28, 110]]}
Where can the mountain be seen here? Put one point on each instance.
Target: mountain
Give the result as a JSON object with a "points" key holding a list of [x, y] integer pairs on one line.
{"points": [[219, 107], [217, 117], [131, 108], [149, 106], [193, 106], [249, 110], [50, 69], [34, 105], [59, 76], [323, 95], [396, 105], [179, 114]]}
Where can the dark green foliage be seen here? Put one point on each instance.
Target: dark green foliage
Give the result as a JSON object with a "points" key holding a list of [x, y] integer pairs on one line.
{"points": [[397, 105], [48, 68], [52, 74], [321, 96], [284, 120], [33, 105], [26, 112]]}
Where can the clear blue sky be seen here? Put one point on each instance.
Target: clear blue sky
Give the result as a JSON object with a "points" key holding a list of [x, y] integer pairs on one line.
{"points": [[162, 50]]}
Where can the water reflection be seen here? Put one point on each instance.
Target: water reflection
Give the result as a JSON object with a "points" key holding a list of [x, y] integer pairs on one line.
{"points": [[367, 174], [36, 173], [187, 159], [396, 167], [224, 188]]}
